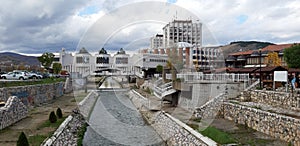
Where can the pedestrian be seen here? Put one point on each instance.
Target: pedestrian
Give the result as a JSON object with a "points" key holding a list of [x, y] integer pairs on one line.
{"points": [[293, 81]]}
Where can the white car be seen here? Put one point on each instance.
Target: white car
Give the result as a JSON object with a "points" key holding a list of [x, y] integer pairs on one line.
{"points": [[18, 75], [33, 75]]}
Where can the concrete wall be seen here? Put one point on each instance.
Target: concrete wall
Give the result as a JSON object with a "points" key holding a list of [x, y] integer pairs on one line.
{"points": [[276, 125], [203, 92], [33, 94], [173, 131], [86, 105], [277, 99], [13, 111]]}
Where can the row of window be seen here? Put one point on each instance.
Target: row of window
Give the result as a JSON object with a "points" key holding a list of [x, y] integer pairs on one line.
{"points": [[157, 60], [121, 60], [101, 60]]}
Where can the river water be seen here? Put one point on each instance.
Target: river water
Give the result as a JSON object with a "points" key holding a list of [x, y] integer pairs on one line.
{"points": [[115, 121]]}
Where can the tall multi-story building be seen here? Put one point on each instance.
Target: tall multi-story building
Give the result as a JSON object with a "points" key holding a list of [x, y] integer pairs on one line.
{"points": [[182, 31], [192, 57], [156, 41]]}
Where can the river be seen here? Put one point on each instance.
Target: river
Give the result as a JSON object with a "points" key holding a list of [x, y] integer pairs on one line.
{"points": [[115, 120]]}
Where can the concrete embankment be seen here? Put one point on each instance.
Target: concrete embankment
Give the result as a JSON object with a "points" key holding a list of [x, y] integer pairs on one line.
{"points": [[172, 130]]}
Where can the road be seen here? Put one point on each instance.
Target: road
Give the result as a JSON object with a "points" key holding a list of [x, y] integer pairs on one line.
{"points": [[115, 121]]}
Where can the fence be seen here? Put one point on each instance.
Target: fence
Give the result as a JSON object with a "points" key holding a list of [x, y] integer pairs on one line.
{"points": [[211, 77]]}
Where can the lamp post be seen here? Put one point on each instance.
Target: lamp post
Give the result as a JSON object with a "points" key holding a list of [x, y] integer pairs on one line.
{"points": [[260, 69]]}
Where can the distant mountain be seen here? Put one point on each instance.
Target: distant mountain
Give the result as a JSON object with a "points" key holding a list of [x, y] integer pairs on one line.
{"points": [[240, 46], [17, 59]]}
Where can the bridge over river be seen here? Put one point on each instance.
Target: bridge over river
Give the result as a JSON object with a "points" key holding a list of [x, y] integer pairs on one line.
{"points": [[115, 120]]}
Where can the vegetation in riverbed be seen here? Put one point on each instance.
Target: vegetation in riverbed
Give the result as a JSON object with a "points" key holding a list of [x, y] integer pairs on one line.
{"points": [[218, 135], [80, 134]]}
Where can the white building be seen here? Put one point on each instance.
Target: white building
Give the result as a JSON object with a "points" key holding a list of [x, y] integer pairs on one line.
{"points": [[205, 58], [83, 62], [121, 61], [145, 63], [103, 60], [182, 31], [156, 41]]}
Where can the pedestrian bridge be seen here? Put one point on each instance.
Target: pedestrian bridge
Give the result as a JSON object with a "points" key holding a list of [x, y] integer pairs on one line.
{"points": [[113, 72]]}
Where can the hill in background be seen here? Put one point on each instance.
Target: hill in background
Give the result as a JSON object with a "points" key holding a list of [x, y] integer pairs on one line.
{"points": [[240, 46], [17, 59]]}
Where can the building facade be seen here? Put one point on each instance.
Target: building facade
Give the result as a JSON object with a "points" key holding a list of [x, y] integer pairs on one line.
{"points": [[192, 57], [182, 31], [156, 41], [256, 58]]}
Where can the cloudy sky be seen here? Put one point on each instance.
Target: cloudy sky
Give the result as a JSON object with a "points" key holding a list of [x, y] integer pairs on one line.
{"points": [[37, 26]]}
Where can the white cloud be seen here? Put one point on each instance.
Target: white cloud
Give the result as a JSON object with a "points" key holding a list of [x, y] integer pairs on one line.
{"points": [[32, 26]]}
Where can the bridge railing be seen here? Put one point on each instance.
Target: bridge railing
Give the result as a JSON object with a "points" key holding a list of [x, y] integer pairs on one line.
{"points": [[211, 77]]}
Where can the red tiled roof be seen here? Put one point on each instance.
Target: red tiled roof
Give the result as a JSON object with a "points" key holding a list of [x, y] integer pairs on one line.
{"points": [[293, 70], [248, 69], [276, 47], [268, 48], [249, 52], [234, 70], [243, 70], [271, 68]]}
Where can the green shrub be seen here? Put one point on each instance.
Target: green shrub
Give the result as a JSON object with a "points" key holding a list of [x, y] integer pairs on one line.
{"points": [[218, 135], [52, 117], [22, 141], [59, 113], [148, 90]]}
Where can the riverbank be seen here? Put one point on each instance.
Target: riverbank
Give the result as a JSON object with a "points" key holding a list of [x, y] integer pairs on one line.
{"points": [[35, 125], [239, 134]]}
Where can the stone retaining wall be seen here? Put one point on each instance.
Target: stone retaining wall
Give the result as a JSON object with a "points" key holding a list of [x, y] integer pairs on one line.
{"points": [[173, 131], [277, 99], [211, 109], [66, 134], [33, 94], [13, 111], [276, 125]]}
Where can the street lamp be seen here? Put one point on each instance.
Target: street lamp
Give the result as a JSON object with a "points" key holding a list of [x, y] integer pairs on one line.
{"points": [[260, 69]]}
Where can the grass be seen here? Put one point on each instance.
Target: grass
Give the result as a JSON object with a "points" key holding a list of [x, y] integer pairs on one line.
{"points": [[31, 82], [218, 135], [49, 124], [36, 140], [79, 96], [80, 134]]}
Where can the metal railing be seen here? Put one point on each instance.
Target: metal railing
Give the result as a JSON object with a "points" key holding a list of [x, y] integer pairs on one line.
{"points": [[211, 77]]}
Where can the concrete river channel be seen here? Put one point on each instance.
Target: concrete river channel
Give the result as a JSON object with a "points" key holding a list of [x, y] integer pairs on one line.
{"points": [[116, 121]]}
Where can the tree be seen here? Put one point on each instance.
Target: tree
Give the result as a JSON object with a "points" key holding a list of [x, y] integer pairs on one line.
{"points": [[46, 59], [56, 67], [52, 117], [22, 141], [159, 68], [59, 113], [292, 56], [272, 59]]}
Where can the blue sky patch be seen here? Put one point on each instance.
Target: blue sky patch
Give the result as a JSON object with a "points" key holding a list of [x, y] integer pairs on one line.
{"points": [[171, 1], [89, 10], [241, 19]]}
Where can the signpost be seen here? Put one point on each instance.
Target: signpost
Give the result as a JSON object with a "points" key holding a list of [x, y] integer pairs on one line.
{"points": [[281, 76]]}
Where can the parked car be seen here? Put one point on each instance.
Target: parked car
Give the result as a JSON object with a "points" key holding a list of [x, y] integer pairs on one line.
{"points": [[33, 75], [1, 73], [17, 75]]}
